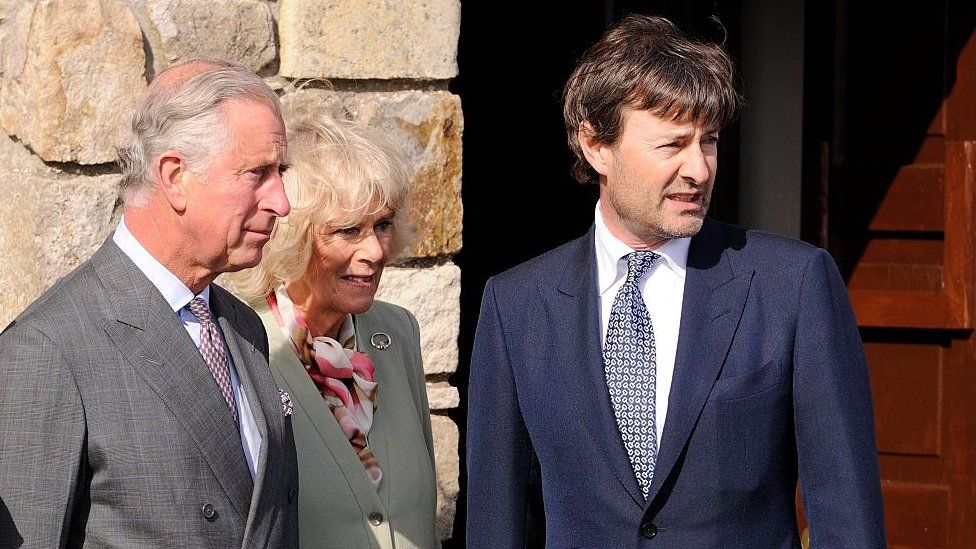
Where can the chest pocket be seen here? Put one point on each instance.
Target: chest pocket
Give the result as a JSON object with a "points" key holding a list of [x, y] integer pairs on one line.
{"points": [[742, 385]]}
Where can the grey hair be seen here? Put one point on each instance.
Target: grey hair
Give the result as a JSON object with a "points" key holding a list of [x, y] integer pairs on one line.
{"points": [[185, 114]]}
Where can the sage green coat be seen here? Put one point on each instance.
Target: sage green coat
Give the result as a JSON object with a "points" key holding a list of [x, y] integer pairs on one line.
{"points": [[338, 506]]}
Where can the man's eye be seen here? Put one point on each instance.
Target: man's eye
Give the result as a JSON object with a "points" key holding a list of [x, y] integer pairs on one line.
{"points": [[282, 168]]}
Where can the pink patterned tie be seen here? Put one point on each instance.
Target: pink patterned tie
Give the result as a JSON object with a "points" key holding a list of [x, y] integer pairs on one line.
{"points": [[212, 349]]}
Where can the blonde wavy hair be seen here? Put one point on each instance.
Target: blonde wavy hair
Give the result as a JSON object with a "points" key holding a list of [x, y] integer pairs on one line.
{"points": [[340, 172]]}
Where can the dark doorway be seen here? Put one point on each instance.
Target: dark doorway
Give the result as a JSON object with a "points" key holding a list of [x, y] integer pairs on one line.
{"points": [[889, 141], [519, 199]]}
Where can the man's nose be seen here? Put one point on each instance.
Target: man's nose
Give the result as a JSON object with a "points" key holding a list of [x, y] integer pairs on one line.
{"points": [[695, 165], [277, 200]]}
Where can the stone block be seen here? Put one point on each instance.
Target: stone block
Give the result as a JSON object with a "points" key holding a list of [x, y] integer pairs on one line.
{"points": [[243, 30], [19, 281], [426, 127], [49, 224], [446, 440], [433, 296], [15, 156], [14, 25], [72, 72], [441, 396], [369, 39]]}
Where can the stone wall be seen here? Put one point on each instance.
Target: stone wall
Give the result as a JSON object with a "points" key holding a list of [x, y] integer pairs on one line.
{"points": [[71, 70]]}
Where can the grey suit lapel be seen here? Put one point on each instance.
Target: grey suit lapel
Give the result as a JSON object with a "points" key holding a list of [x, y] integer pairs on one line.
{"points": [[714, 298], [151, 337], [265, 406], [575, 311]]}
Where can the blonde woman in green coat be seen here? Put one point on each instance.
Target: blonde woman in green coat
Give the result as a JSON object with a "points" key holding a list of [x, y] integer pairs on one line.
{"points": [[351, 365]]}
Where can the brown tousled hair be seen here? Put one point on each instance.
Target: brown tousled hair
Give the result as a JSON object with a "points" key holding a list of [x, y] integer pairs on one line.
{"points": [[646, 63]]}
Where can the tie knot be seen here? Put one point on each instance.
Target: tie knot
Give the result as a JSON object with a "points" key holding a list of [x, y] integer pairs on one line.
{"points": [[199, 309], [638, 263]]}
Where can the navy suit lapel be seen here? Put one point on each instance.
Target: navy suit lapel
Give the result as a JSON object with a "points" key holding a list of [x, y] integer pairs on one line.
{"points": [[714, 298], [152, 339], [575, 305]]}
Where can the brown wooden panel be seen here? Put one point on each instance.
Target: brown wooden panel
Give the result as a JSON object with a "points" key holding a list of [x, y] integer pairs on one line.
{"points": [[904, 276], [960, 438], [902, 309], [900, 218], [903, 250], [931, 151], [960, 253], [916, 515], [906, 383], [913, 201]]}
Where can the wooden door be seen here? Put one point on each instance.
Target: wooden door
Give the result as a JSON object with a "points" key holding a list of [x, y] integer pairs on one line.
{"points": [[892, 193]]}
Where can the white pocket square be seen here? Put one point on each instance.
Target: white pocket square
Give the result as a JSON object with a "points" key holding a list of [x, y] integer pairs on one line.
{"points": [[285, 403]]}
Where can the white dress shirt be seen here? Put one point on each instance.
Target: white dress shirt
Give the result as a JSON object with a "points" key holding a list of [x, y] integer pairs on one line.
{"points": [[178, 296], [662, 287]]}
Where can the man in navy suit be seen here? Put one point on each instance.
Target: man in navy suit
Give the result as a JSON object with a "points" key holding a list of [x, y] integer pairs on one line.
{"points": [[665, 380]]}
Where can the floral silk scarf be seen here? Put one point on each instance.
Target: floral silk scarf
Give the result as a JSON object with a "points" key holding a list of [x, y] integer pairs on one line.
{"points": [[342, 375]]}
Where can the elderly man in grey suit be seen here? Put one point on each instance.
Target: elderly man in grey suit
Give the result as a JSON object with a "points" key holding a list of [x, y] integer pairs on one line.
{"points": [[136, 404]]}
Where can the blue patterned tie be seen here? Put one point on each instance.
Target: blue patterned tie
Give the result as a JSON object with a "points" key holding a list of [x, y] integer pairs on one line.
{"points": [[630, 359]]}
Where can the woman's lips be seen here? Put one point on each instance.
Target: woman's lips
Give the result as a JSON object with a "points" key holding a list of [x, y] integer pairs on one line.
{"points": [[359, 280]]}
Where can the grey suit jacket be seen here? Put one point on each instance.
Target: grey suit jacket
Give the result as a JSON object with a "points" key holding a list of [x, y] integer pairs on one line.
{"points": [[113, 432], [339, 507]]}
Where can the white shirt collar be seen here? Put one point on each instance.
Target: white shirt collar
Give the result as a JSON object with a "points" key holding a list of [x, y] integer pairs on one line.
{"points": [[610, 252], [174, 291]]}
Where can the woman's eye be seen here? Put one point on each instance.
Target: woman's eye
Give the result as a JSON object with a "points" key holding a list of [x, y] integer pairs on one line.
{"points": [[383, 226], [348, 231]]}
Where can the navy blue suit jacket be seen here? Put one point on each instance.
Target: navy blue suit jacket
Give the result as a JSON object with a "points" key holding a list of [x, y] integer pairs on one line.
{"points": [[770, 383]]}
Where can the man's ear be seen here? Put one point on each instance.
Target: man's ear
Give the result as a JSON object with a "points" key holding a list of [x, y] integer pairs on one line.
{"points": [[173, 177], [598, 154]]}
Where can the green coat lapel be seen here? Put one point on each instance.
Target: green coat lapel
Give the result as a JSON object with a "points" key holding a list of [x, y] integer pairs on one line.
{"points": [[308, 401]]}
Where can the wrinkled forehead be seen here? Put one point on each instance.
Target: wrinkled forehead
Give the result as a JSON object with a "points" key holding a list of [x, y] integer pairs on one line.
{"points": [[350, 215], [255, 129], [666, 123]]}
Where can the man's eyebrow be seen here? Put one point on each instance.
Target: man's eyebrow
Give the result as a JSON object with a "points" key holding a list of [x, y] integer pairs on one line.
{"points": [[672, 135], [246, 167]]}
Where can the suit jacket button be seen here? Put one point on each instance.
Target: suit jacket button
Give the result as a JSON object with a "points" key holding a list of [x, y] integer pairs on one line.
{"points": [[648, 530], [209, 512], [291, 495], [375, 519]]}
